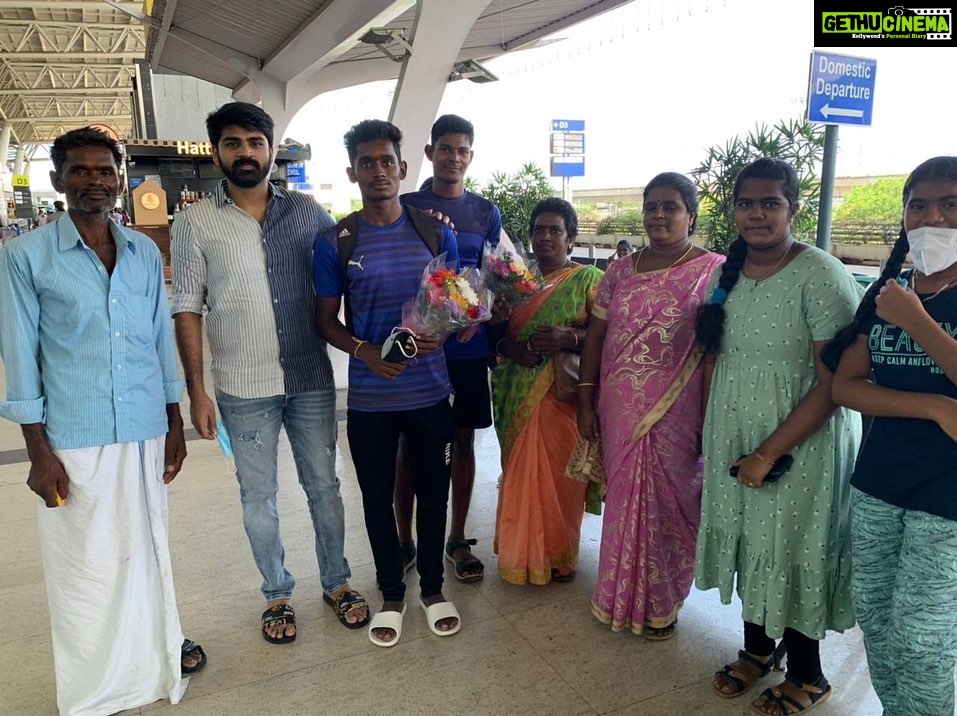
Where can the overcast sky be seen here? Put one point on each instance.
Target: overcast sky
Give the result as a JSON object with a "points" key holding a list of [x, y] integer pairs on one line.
{"points": [[659, 82]]}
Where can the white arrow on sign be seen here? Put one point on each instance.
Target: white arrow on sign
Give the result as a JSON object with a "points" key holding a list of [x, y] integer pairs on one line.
{"points": [[827, 110]]}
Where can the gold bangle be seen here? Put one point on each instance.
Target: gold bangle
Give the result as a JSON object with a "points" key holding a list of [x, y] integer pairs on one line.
{"points": [[761, 457], [582, 385], [359, 344]]}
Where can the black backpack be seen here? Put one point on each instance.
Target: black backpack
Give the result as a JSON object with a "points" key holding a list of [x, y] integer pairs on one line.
{"points": [[429, 230]]}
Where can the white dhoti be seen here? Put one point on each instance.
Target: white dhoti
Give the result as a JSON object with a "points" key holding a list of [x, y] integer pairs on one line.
{"points": [[117, 639]]}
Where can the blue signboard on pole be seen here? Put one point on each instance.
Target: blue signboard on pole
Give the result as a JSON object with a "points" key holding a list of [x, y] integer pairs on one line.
{"points": [[841, 89], [568, 148], [568, 125]]}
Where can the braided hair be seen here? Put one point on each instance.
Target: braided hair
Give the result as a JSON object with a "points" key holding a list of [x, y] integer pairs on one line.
{"points": [[709, 325], [939, 168]]}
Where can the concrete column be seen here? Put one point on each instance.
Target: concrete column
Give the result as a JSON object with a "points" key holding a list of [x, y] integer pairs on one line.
{"points": [[18, 160], [4, 146], [438, 32]]}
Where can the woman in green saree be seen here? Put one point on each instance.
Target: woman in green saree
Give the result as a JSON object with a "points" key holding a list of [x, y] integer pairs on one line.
{"points": [[539, 509]]}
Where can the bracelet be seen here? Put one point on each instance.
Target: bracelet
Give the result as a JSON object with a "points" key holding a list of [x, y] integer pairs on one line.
{"points": [[575, 333], [582, 385], [359, 344], [498, 347], [761, 457]]}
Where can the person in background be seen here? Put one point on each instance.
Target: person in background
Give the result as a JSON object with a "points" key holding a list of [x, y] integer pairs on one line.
{"points": [[59, 209], [622, 249], [897, 361], [640, 392], [91, 377], [540, 510], [784, 544], [477, 224]]}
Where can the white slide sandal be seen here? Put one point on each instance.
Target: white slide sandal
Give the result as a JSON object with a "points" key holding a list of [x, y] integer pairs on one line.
{"points": [[438, 612], [387, 620]]}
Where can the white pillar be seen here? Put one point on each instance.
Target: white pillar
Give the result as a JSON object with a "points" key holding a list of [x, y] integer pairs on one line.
{"points": [[4, 146], [18, 160], [438, 32]]}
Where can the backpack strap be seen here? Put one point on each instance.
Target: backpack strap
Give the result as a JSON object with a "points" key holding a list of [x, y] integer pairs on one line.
{"points": [[430, 230], [346, 230]]}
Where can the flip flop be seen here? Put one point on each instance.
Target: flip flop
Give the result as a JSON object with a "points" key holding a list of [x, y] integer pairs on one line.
{"points": [[343, 604], [439, 611], [279, 615], [387, 620]]}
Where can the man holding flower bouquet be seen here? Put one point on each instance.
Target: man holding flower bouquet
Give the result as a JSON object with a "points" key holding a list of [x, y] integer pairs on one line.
{"points": [[477, 223], [406, 394]]}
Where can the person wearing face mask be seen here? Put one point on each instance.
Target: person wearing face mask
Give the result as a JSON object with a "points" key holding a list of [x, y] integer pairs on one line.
{"points": [[897, 361]]}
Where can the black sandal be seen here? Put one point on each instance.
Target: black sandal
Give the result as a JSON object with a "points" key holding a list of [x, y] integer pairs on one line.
{"points": [[741, 681], [279, 615], [188, 648], [818, 693], [343, 604], [470, 567]]}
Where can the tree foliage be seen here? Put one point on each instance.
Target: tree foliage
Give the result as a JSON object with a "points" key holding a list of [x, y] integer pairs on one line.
{"points": [[798, 142], [878, 202], [516, 195]]}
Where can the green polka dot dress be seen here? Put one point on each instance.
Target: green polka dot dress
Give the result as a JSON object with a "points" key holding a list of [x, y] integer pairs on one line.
{"points": [[785, 547]]}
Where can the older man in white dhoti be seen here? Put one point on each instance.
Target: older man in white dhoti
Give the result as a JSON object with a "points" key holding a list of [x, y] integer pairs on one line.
{"points": [[86, 341]]}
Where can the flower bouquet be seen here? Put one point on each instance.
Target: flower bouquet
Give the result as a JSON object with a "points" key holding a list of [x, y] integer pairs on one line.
{"points": [[508, 274], [447, 301]]}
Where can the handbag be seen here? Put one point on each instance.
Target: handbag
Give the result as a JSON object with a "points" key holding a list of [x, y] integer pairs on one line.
{"points": [[565, 366]]}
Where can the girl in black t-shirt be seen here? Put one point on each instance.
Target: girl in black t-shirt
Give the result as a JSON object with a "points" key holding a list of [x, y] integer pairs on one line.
{"points": [[899, 364]]}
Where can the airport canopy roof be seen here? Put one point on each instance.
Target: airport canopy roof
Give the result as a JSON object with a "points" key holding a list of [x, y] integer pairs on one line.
{"points": [[69, 63]]}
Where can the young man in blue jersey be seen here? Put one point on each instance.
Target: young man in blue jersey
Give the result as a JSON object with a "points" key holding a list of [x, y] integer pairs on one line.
{"points": [[477, 223], [385, 258]]}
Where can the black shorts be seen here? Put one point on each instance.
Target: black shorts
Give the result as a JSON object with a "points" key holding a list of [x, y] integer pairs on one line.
{"points": [[472, 404]]}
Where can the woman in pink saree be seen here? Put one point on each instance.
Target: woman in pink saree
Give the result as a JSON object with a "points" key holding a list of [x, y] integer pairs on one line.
{"points": [[641, 394]]}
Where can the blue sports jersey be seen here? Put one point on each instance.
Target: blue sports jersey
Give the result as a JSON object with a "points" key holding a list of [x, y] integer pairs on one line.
{"points": [[384, 272], [477, 222]]}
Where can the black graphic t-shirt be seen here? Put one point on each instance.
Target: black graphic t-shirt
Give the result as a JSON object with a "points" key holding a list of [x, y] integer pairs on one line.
{"points": [[907, 462]]}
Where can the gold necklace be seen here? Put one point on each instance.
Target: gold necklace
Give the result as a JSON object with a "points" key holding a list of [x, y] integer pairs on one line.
{"points": [[776, 266], [680, 258], [913, 285]]}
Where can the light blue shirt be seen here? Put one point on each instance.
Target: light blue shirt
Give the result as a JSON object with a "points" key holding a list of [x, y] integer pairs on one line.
{"points": [[88, 354]]}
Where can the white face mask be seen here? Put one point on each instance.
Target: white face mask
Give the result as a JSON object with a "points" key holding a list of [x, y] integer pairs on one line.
{"points": [[933, 249]]}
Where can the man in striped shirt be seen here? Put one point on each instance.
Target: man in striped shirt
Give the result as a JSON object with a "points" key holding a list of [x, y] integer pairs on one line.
{"points": [[244, 254]]}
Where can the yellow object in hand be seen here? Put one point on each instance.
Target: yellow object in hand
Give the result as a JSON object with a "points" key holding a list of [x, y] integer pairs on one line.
{"points": [[59, 500]]}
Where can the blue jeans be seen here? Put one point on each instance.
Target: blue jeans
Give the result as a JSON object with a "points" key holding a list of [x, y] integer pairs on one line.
{"points": [[310, 420]]}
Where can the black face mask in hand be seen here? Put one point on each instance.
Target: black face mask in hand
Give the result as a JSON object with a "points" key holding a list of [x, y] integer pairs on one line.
{"points": [[399, 346], [778, 469]]}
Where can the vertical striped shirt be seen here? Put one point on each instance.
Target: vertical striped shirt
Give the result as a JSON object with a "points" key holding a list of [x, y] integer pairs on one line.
{"points": [[87, 353], [256, 282]]}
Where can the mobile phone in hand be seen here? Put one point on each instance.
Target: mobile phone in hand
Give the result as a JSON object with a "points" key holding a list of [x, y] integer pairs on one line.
{"points": [[778, 469]]}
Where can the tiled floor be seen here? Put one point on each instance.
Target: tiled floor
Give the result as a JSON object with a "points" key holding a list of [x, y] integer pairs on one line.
{"points": [[522, 650]]}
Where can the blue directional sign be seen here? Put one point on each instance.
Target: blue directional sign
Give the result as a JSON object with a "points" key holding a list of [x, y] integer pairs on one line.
{"points": [[565, 166], [568, 125], [840, 89]]}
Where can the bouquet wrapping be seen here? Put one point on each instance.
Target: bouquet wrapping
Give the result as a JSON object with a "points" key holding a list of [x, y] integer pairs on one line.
{"points": [[509, 274], [447, 301]]}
